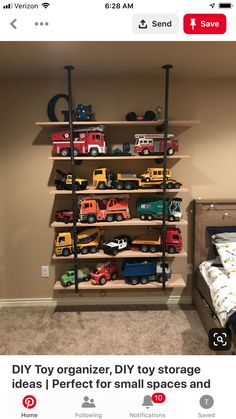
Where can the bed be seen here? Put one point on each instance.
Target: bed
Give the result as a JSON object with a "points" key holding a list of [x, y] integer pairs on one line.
{"points": [[209, 213]]}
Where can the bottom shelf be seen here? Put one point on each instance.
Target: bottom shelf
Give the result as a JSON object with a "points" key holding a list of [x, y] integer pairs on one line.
{"points": [[176, 281]]}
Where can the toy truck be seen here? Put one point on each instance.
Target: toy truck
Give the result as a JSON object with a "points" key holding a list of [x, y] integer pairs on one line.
{"points": [[146, 144], [86, 141], [155, 176], [152, 177], [102, 179], [64, 216], [65, 182], [154, 244], [87, 242], [68, 278], [144, 271], [104, 272], [152, 208], [111, 209]]}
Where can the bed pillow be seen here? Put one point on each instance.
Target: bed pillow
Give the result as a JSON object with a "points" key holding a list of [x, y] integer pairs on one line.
{"points": [[227, 254], [223, 238], [212, 230]]}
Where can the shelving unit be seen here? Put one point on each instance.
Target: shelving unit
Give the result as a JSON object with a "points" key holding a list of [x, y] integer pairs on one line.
{"points": [[106, 158], [122, 255], [176, 280], [173, 123], [133, 222], [92, 191]]}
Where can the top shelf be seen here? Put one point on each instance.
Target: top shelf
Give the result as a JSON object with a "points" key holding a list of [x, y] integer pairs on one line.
{"points": [[173, 123]]}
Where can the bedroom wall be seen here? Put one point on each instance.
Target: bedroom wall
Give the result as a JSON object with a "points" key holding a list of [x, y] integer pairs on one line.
{"points": [[26, 239]]}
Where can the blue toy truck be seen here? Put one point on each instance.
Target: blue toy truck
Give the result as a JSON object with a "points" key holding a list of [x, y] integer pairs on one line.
{"points": [[143, 271]]}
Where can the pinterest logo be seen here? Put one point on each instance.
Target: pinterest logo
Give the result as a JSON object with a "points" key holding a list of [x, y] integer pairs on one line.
{"points": [[29, 402]]}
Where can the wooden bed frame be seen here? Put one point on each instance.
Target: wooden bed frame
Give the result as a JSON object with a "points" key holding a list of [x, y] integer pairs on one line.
{"points": [[209, 213]]}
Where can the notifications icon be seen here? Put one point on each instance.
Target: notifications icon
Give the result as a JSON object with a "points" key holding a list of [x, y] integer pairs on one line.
{"points": [[147, 402]]}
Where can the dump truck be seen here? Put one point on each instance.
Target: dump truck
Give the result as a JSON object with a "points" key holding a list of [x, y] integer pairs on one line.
{"points": [[146, 144], [102, 179], [153, 243], [65, 182], [110, 209], [143, 271], [152, 209], [87, 242]]}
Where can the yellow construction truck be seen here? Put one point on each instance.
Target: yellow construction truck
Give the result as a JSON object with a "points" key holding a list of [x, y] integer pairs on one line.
{"points": [[152, 177], [87, 242]]}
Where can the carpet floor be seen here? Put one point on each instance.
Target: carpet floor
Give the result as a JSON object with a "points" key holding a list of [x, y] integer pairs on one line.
{"points": [[46, 331]]}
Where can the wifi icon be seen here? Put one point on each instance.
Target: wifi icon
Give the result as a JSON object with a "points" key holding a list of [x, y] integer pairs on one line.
{"points": [[45, 5]]}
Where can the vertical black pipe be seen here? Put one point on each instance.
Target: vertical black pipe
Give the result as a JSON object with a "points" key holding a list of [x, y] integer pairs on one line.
{"points": [[167, 68], [69, 69]]}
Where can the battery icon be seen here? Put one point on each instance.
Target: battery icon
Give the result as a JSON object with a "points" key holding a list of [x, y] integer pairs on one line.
{"points": [[225, 5]]}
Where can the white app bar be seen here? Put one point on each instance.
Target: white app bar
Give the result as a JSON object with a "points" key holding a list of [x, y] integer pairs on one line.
{"points": [[101, 20]]}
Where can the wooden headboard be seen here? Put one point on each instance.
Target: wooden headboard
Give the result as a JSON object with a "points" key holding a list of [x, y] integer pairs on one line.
{"points": [[210, 213]]}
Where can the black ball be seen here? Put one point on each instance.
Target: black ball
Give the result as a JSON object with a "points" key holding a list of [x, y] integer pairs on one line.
{"points": [[131, 116], [149, 116]]}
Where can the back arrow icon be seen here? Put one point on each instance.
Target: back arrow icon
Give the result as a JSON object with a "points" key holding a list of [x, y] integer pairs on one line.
{"points": [[12, 24]]}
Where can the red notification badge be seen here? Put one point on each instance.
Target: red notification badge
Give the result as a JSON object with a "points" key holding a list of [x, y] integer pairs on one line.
{"points": [[158, 398]]}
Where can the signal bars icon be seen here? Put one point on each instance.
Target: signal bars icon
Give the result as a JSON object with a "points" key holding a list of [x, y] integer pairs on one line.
{"points": [[7, 6]]}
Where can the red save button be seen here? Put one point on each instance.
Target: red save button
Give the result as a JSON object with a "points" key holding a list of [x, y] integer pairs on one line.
{"points": [[206, 24]]}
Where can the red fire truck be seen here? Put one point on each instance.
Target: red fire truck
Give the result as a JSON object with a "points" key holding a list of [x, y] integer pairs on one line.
{"points": [[110, 209], [86, 141], [154, 144]]}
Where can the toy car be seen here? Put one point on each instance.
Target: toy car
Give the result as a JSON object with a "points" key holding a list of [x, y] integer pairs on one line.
{"points": [[104, 272], [64, 216], [122, 150], [117, 244], [68, 278]]}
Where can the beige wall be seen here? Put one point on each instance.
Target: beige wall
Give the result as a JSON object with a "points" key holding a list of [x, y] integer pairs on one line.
{"points": [[26, 207]]}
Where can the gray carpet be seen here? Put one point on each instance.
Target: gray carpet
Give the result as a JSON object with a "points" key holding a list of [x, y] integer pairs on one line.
{"points": [[45, 331]]}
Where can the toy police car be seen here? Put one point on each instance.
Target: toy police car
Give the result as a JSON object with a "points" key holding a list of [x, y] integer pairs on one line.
{"points": [[117, 244]]}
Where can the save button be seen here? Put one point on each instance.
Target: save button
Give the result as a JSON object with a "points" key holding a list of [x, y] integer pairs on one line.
{"points": [[205, 24]]}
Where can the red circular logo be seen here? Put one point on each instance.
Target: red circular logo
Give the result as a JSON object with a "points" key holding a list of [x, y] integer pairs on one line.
{"points": [[158, 398], [29, 402]]}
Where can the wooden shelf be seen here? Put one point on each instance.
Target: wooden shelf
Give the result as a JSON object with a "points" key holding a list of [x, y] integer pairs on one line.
{"points": [[134, 222], [100, 158], [176, 281], [121, 255], [172, 123], [90, 191]]}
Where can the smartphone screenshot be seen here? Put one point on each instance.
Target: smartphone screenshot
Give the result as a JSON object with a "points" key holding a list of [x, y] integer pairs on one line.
{"points": [[117, 209]]}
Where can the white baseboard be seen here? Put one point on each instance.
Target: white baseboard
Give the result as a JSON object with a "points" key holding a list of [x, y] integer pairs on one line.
{"points": [[54, 302]]}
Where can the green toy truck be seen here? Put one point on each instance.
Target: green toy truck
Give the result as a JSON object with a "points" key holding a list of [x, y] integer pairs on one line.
{"points": [[152, 209], [68, 278]]}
